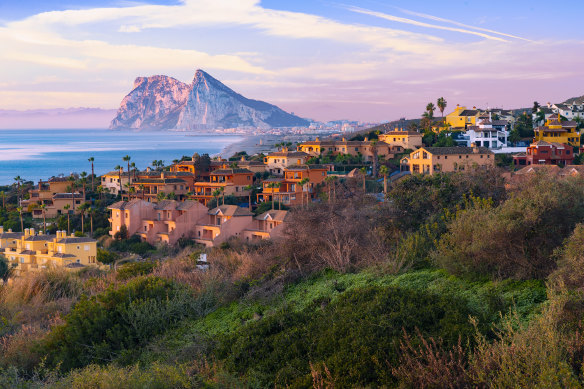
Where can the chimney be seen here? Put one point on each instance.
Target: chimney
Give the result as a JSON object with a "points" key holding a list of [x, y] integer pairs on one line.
{"points": [[475, 149], [148, 169], [1, 229], [162, 175], [242, 158], [26, 232], [10, 230], [344, 140], [31, 231], [473, 107], [366, 139]]}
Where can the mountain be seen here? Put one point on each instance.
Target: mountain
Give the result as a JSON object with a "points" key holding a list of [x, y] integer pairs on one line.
{"points": [[161, 102], [575, 100], [155, 103], [57, 118]]}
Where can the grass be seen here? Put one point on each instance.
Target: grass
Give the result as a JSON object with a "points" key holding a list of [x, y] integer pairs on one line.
{"points": [[486, 299]]}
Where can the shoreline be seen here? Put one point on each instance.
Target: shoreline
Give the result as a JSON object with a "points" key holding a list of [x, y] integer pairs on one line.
{"points": [[251, 144]]}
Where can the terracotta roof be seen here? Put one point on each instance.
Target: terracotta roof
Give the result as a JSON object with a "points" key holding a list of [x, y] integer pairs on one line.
{"points": [[288, 154], [122, 205], [456, 150], [58, 179], [275, 215], [409, 133], [67, 196], [500, 122], [170, 205], [306, 167], [115, 173], [230, 210], [535, 168], [159, 181], [27, 252], [221, 172]]}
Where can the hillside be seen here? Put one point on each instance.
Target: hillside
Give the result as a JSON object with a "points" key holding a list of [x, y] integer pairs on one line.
{"points": [[455, 281]]}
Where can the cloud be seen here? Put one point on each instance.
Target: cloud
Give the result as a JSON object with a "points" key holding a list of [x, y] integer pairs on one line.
{"points": [[438, 19], [422, 24]]}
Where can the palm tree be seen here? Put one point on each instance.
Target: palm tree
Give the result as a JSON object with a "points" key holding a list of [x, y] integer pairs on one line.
{"points": [[142, 189], [66, 208], [100, 191], [71, 189], [303, 182], [119, 169], [127, 159], [441, 103], [430, 108], [19, 209], [91, 214], [134, 170], [18, 180], [384, 171], [250, 189], [364, 171], [273, 185], [91, 159], [3, 199], [82, 209], [374, 152], [216, 194], [43, 208], [83, 181]]}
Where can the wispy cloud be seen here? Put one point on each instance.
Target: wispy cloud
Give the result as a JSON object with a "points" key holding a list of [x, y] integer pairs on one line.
{"points": [[455, 23], [412, 22]]}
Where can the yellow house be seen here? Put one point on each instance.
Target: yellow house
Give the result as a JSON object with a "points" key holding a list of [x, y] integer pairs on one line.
{"points": [[404, 139], [556, 131], [430, 160], [278, 161], [461, 118], [35, 252]]}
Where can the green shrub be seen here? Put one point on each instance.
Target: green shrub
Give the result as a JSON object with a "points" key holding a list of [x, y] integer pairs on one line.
{"points": [[106, 257], [134, 269], [356, 336], [110, 325]]}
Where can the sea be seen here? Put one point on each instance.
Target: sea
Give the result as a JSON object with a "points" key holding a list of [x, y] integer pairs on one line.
{"points": [[41, 154]]}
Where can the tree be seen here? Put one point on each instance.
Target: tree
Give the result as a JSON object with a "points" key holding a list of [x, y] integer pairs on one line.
{"points": [[3, 199], [19, 209], [83, 181], [363, 174], [43, 208], [142, 188], [303, 183], [216, 193], [430, 108], [91, 159], [441, 103], [83, 208], [535, 106], [18, 180], [127, 158], [249, 188], [119, 169], [273, 186], [66, 208], [384, 172], [374, 152]]}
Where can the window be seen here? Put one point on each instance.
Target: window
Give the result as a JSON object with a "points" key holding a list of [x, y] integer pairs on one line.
{"points": [[78, 247], [424, 155], [86, 247]]}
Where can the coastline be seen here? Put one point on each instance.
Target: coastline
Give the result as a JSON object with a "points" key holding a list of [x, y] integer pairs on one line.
{"points": [[251, 144]]}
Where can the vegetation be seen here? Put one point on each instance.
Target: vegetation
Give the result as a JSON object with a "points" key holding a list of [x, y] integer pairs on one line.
{"points": [[455, 281]]}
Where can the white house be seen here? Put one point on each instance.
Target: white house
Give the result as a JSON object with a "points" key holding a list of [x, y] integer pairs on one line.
{"points": [[487, 133]]}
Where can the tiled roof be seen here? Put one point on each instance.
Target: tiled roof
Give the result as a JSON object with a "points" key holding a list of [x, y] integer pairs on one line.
{"points": [[534, 168], [122, 205], [74, 265], [115, 173], [61, 255], [27, 252], [469, 112], [230, 171], [230, 210], [38, 238], [169, 205], [12, 235], [456, 150], [67, 196], [409, 133], [160, 181], [74, 239], [58, 179], [306, 167], [275, 215], [291, 154]]}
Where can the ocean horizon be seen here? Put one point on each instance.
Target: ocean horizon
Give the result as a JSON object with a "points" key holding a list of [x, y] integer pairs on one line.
{"points": [[43, 153]]}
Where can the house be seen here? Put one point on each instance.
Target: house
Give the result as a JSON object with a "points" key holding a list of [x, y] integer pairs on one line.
{"points": [[222, 223], [35, 252], [54, 194], [166, 221], [230, 181], [557, 131], [115, 182], [487, 133], [8, 238], [253, 166], [402, 140], [268, 225], [544, 153], [569, 110], [277, 161], [366, 149], [430, 160], [150, 185], [461, 118], [280, 190]]}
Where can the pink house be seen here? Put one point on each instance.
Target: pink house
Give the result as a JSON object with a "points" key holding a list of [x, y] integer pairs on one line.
{"points": [[221, 224], [268, 225]]}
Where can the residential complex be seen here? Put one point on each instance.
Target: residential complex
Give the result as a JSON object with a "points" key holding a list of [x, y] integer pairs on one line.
{"points": [[557, 131], [430, 160], [544, 153]]}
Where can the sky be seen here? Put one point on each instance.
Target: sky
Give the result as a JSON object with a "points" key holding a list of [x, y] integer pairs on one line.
{"points": [[367, 60]]}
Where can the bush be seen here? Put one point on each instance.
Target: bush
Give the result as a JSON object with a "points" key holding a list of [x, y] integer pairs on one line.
{"points": [[130, 270], [570, 269], [4, 268], [106, 257], [357, 337], [517, 238], [108, 326]]}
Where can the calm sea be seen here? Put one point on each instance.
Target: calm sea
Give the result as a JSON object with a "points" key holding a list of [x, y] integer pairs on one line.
{"points": [[40, 154]]}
